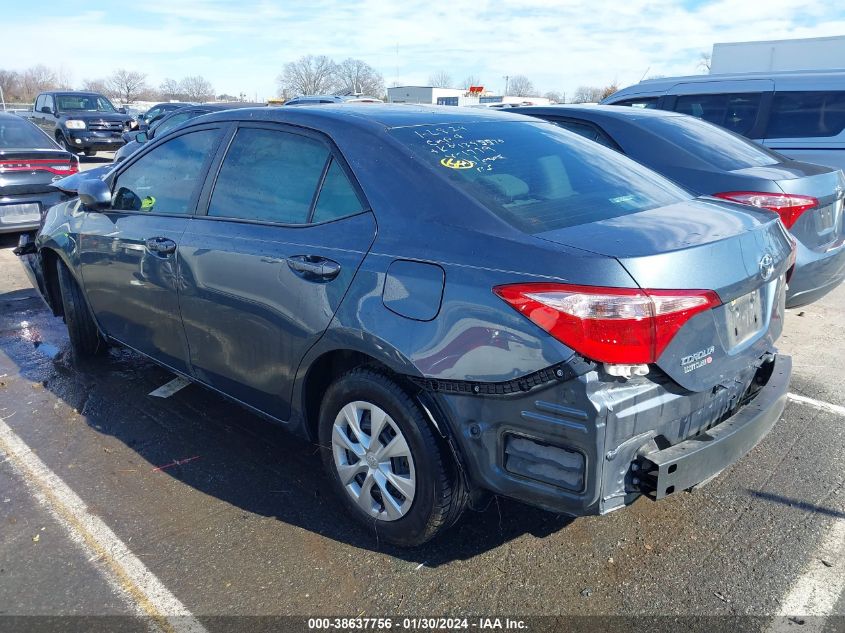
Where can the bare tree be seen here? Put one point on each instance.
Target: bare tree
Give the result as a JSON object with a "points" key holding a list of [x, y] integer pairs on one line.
{"points": [[196, 88], [308, 75], [553, 96], [10, 85], [587, 94], [36, 79], [95, 85], [520, 86], [169, 90], [608, 90], [704, 62], [353, 76], [471, 80], [126, 85], [440, 79]]}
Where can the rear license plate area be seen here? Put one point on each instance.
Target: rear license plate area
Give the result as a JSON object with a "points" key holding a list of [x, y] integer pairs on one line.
{"points": [[827, 218], [744, 317], [20, 213]]}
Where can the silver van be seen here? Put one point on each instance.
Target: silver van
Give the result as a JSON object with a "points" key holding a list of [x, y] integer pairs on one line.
{"points": [[800, 114]]}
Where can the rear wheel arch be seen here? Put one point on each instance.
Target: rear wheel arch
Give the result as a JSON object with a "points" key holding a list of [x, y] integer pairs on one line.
{"points": [[323, 371]]}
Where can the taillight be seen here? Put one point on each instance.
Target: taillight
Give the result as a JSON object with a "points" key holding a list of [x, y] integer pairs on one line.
{"points": [[788, 206], [60, 166], [609, 325]]}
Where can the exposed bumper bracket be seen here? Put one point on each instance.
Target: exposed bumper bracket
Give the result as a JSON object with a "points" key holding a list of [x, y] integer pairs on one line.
{"points": [[697, 459]]}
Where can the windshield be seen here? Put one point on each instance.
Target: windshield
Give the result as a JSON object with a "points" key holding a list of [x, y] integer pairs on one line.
{"points": [[15, 133], [536, 176], [710, 143], [83, 103]]}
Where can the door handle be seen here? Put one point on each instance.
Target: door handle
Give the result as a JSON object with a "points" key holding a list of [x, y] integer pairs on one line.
{"points": [[161, 245], [314, 267]]}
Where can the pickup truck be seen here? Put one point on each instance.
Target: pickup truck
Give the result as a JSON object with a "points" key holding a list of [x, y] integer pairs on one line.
{"points": [[80, 121]]}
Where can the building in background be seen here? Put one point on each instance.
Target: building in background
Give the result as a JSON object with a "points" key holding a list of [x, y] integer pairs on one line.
{"points": [[814, 53], [421, 94], [473, 96]]}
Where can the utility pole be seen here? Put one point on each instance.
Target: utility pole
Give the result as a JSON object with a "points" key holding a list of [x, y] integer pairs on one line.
{"points": [[2, 98], [506, 78]]}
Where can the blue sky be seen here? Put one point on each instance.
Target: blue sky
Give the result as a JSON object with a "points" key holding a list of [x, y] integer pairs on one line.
{"points": [[242, 46]]}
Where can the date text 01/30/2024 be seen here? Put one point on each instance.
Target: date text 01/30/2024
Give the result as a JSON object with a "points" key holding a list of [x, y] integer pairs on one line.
{"points": [[446, 624]]}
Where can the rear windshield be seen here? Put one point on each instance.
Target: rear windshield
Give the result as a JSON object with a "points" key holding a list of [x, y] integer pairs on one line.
{"points": [[536, 176], [713, 145], [83, 103], [16, 133]]}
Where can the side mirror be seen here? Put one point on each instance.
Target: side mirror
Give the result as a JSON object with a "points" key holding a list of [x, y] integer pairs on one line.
{"points": [[142, 137], [122, 110], [94, 193], [46, 110]]}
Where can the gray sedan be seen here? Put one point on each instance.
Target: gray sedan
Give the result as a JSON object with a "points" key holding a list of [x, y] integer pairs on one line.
{"points": [[707, 159]]}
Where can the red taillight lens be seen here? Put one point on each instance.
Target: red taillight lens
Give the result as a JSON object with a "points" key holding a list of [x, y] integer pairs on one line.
{"points": [[61, 167], [787, 205], [610, 325]]}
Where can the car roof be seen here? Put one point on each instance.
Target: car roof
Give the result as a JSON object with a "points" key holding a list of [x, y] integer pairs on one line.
{"points": [[366, 116], [772, 74], [82, 93], [783, 80], [592, 110]]}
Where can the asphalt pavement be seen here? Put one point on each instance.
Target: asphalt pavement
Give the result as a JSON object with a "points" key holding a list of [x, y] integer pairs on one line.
{"points": [[115, 502]]}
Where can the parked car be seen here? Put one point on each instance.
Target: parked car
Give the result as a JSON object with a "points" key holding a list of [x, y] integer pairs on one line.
{"points": [[29, 162], [156, 112], [706, 159], [80, 121], [799, 114], [323, 99], [450, 302], [168, 121]]}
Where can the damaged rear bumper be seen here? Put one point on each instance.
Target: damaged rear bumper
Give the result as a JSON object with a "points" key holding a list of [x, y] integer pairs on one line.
{"points": [[593, 444], [699, 458]]}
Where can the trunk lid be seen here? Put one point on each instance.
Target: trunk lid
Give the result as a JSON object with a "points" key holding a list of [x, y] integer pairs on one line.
{"points": [[740, 253], [34, 170], [819, 228]]}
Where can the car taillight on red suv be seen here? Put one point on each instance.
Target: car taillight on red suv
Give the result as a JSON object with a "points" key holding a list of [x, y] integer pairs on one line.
{"points": [[787, 205], [609, 325]]}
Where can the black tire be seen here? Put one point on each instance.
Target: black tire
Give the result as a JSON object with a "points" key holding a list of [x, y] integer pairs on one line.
{"points": [[90, 152], [85, 339], [62, 141], [440, 496]]}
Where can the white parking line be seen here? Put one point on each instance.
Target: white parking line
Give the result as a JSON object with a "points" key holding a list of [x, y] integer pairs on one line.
{"points": [[817, 591], [145, 594], [817, 404]]}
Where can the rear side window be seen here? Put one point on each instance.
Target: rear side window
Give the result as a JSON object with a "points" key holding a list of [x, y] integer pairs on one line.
{"points": [[337, 197], [16, 133], [587, 130], [642, 102], [713, 145], [806, 114], [735, 112], [537, 176], [165, 179], [270, 176]]}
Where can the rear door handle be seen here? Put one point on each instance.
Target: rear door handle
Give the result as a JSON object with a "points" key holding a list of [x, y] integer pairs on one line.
{"points": [[314, 267], [161, 245]]}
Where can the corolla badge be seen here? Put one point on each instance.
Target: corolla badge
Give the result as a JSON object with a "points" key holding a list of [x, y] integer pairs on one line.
{"points": [[767, 267]]}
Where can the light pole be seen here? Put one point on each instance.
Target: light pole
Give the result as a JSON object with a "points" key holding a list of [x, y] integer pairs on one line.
{"points": [[506, 78], [2, 98]]}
